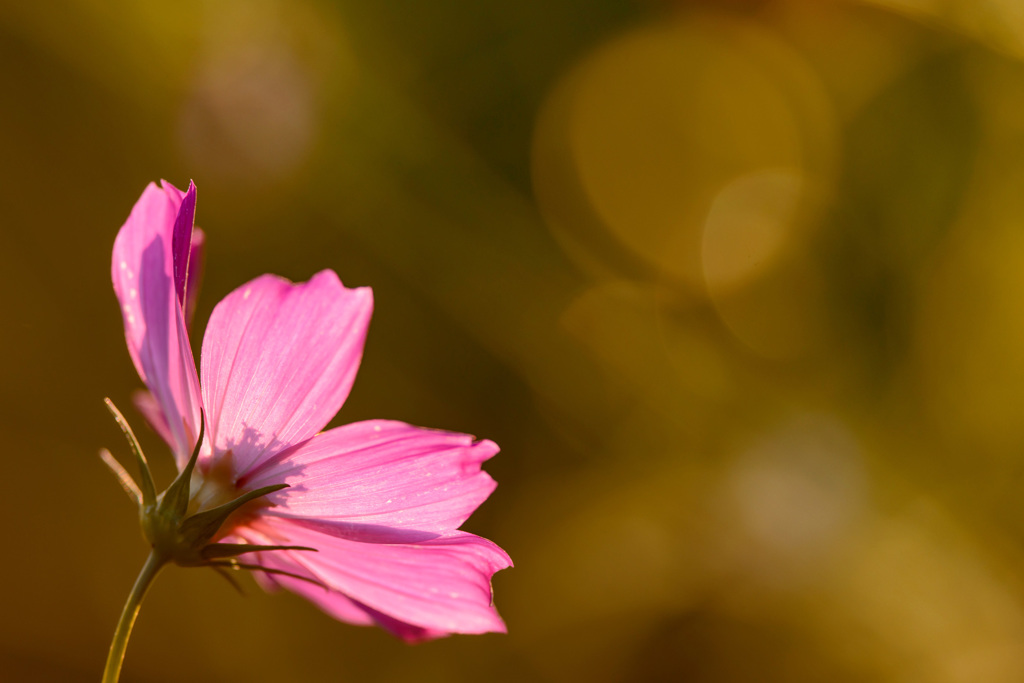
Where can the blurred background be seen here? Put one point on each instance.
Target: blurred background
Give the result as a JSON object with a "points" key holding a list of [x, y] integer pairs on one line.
{"points": [[736, 285]]}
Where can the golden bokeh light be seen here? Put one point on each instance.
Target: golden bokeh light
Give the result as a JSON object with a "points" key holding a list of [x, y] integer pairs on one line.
{"points": [[653, 141], [253, 104], [799, 491], [736, 287], [748, 226]]}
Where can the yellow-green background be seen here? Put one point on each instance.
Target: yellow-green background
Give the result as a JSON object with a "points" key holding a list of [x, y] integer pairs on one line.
{"points": [[737, 286]]}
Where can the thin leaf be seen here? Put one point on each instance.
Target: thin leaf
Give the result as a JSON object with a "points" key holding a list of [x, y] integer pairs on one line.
{"points": [[123, 478], [177, 494], [148, 489], [219, 550], [202, 526], [235, 565], [230, 579]]}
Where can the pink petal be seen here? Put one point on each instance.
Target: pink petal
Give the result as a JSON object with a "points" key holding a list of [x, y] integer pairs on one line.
{"points": [[335, 604], [442, 585], [142, 270], [196, 261], [278, 361], [381, 472], [147, 404], [407, 632], [166, 357], [181, 240], [330, 601], [151, 218]]}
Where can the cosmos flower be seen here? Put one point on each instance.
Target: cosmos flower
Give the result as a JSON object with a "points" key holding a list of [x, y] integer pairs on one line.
{"points": [[362, 520]]}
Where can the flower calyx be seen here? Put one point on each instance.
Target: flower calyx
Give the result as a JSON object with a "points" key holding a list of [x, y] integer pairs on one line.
{"points": [[176, 535]]}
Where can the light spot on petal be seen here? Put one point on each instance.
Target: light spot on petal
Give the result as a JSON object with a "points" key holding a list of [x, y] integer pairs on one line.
{"points": [[246, 294]]}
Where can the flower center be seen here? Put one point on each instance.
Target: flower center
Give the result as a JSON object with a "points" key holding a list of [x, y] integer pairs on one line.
{"points": [[215, 485]]}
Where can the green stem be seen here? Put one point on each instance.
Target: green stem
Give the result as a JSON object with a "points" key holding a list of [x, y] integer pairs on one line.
{"points": [[154, 563]]}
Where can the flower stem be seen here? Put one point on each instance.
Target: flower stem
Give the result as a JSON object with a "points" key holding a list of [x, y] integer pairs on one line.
{"points": [[154, 563]]}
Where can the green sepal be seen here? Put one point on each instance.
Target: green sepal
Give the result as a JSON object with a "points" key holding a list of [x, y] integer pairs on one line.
{"points": [[175, 498], [198, 529], [123, 478], [148, 488], [218, 551], [230, 579], [236, 565]]}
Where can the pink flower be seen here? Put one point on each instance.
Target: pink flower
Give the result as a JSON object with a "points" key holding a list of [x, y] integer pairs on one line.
{"points": [[380, 501]]}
